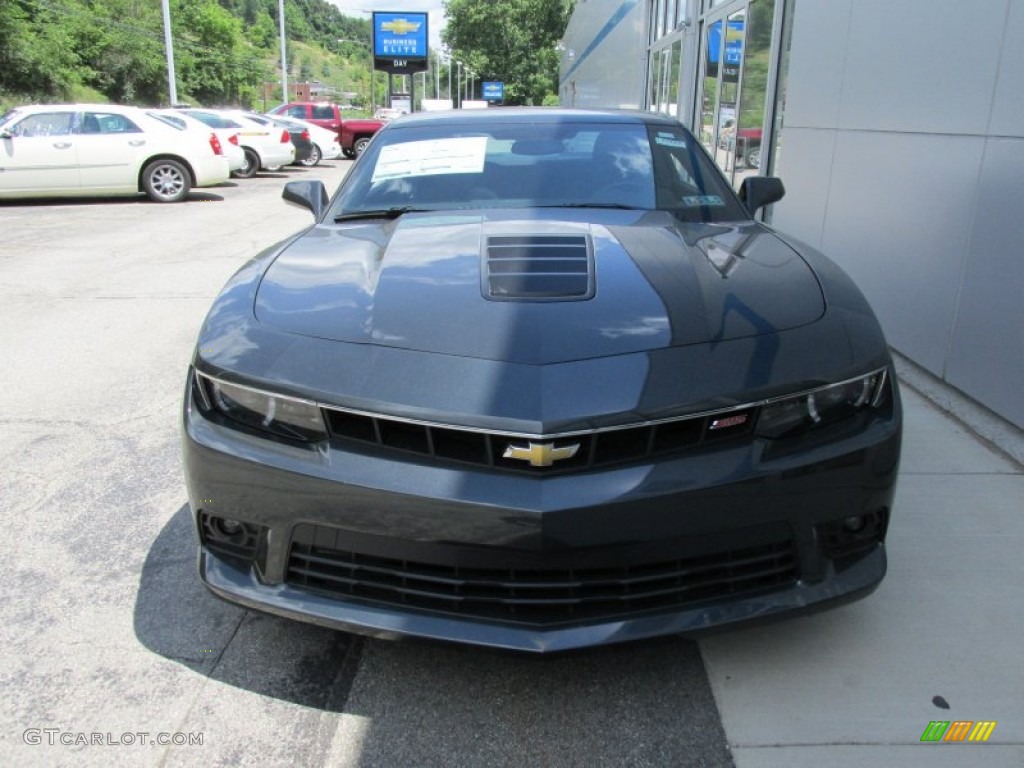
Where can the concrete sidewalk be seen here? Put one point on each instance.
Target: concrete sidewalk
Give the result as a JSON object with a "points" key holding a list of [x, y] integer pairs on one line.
{"points": [[857, 686]]}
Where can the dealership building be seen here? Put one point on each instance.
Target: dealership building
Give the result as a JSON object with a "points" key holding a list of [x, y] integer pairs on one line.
{"points": [[897, 128]]}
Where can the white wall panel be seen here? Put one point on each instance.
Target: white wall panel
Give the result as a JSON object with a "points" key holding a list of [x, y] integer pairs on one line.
{"points": [[804, 164], [608, 65], [987, 354], [899, 213], [921, 65], [817, 63], [1008, 106]]}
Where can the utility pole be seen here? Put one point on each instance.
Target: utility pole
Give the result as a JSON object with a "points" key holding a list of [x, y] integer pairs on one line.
{"points": [[172, 86], [284, 58]]}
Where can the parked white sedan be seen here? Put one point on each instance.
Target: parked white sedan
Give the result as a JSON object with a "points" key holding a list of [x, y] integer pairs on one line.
{"points": [[229, 142], [103, 149], [265, 147]]}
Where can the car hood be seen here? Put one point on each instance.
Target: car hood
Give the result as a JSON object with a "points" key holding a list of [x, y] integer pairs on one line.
{"points": [[420, 282]]}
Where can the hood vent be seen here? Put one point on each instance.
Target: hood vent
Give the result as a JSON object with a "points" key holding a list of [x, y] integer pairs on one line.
{"points": [[538, 268]]}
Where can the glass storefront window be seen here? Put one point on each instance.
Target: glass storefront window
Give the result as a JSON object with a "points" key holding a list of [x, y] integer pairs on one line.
{"points": [[653, 86], [737, 68]]}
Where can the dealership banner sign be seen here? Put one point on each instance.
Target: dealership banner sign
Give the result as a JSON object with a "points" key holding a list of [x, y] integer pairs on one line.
{"points": [[400, 42], [494, 91]]}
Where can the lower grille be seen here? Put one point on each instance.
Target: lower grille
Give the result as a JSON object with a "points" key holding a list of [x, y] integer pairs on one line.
{"points": [[536, 596]]}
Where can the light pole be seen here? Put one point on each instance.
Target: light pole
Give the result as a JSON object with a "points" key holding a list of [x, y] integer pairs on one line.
{"points": [[369, 49]]}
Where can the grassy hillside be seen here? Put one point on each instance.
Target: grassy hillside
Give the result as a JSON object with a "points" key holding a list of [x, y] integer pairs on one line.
{"points": [[225, 52]]}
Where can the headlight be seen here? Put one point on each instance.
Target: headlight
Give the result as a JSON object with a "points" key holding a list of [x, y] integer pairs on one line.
{"points": [[786, 416], [283, 416]]}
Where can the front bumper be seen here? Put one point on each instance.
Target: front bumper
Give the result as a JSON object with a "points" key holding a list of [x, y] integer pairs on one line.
{"points": [[400, 546], [243, 587], [211, 170]]}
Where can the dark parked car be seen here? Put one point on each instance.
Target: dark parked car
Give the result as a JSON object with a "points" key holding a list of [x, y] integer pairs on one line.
{"points": [[537, 379], [304, 147]]}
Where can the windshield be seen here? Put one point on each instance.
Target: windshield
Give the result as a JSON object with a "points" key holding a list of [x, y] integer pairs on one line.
{"points": [[214, 120], [525, 165], [168, 119]]}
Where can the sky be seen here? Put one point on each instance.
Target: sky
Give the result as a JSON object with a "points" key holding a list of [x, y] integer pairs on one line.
{"points": [[435, 22]]}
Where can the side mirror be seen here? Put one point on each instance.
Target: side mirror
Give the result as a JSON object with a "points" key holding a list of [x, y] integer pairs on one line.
{"points": [[5, 134], [759, 191], [310, 195]]}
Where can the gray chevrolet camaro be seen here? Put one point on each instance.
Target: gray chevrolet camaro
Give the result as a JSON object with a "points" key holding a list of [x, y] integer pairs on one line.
{"points": [[536, 379]]}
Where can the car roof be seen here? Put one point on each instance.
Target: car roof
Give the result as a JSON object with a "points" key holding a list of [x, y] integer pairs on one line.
{"points": [[79, 107], [542, 115]]}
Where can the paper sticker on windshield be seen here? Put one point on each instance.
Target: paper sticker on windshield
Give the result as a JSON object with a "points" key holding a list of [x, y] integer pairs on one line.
{"points": [[699, 201], [670, 141], [431, 158]]}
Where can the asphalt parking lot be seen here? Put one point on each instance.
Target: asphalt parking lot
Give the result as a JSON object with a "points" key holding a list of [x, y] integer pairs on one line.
{"points": [[114, 654]]}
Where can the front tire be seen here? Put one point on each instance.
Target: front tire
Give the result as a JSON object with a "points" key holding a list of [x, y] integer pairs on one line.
{"points": [[252, 164], [313, 159], [166, 181]]}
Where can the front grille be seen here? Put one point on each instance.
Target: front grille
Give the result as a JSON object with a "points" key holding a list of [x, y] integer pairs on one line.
{"points": [[536, 596], [518, 452], [538, 268]]}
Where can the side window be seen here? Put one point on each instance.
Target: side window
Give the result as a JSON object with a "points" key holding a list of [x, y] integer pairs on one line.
{"points": [[298, 111], [45, 124], [106, 122], [323, 113]]}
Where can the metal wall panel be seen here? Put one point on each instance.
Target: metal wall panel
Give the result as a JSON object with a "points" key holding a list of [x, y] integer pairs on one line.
{"points": [[603, 61], [899, 213], [919, 198], [920, 65], [1008, 104], [986, 357], [816, 63], [805, 166]]}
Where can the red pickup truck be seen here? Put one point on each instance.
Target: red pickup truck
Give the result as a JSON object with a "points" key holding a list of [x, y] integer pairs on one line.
{"points": [[355, 132]]}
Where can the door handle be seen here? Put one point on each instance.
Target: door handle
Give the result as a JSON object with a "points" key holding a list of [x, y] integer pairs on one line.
{"points": [[62, 144], [137, 142]]}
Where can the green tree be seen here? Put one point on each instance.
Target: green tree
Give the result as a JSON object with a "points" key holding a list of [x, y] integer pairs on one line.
{"points": [[216, 60], [37, 51], [509, 40]]}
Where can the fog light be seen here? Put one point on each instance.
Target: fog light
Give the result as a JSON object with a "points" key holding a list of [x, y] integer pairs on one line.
{"points": [[855, 523], [851, 535], [227, 536], [228, 527]]}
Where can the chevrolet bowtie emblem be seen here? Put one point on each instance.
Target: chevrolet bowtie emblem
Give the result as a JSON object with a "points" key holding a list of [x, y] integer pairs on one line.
{"points": [[540, 454], [401, 26]]}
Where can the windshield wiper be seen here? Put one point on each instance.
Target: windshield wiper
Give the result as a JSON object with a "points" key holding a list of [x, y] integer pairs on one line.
{"points": [[379, 213], [616, 206]]}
